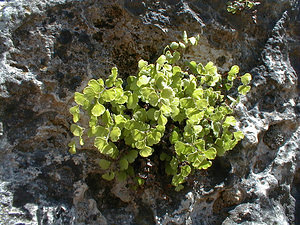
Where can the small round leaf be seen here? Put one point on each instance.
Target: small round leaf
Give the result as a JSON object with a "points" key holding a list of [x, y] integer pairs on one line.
{"points": [[104, 164], [145, 152]]}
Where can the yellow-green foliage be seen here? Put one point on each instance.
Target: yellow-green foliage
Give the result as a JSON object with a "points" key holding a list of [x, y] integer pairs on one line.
{"points": [[129, 120], [239, 5]]}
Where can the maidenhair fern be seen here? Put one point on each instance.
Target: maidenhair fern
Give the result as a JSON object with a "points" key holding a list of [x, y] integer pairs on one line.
{"points": [[235, 6], [129, 120]]}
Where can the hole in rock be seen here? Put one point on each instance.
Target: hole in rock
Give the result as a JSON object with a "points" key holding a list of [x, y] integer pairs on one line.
{"points": [[22, 197], [219, 171], [100, 190]]}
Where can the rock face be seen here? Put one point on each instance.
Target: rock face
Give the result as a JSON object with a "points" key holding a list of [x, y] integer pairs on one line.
{"points": [[51, 48]]}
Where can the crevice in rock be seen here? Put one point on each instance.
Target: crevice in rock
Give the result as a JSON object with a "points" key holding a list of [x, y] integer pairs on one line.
{"points": [[276, 136], [295, 191]]}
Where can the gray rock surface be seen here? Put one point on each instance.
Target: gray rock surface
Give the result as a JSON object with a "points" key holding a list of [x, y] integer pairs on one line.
{"points": [[51, 48]]}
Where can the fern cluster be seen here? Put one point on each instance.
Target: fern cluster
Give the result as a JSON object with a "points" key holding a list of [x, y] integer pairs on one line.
{"points": [[128, 120], [239, 5]]}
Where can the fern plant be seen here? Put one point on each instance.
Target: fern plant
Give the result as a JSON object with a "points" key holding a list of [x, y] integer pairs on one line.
{"points": [[129, 120], [240, 5]]}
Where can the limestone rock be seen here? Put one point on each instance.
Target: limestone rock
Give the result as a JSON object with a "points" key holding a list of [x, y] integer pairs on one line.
{"points": [[51, 48]]}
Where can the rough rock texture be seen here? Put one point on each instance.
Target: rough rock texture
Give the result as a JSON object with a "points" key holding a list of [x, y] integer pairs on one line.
{"points": [[51, 48]]}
